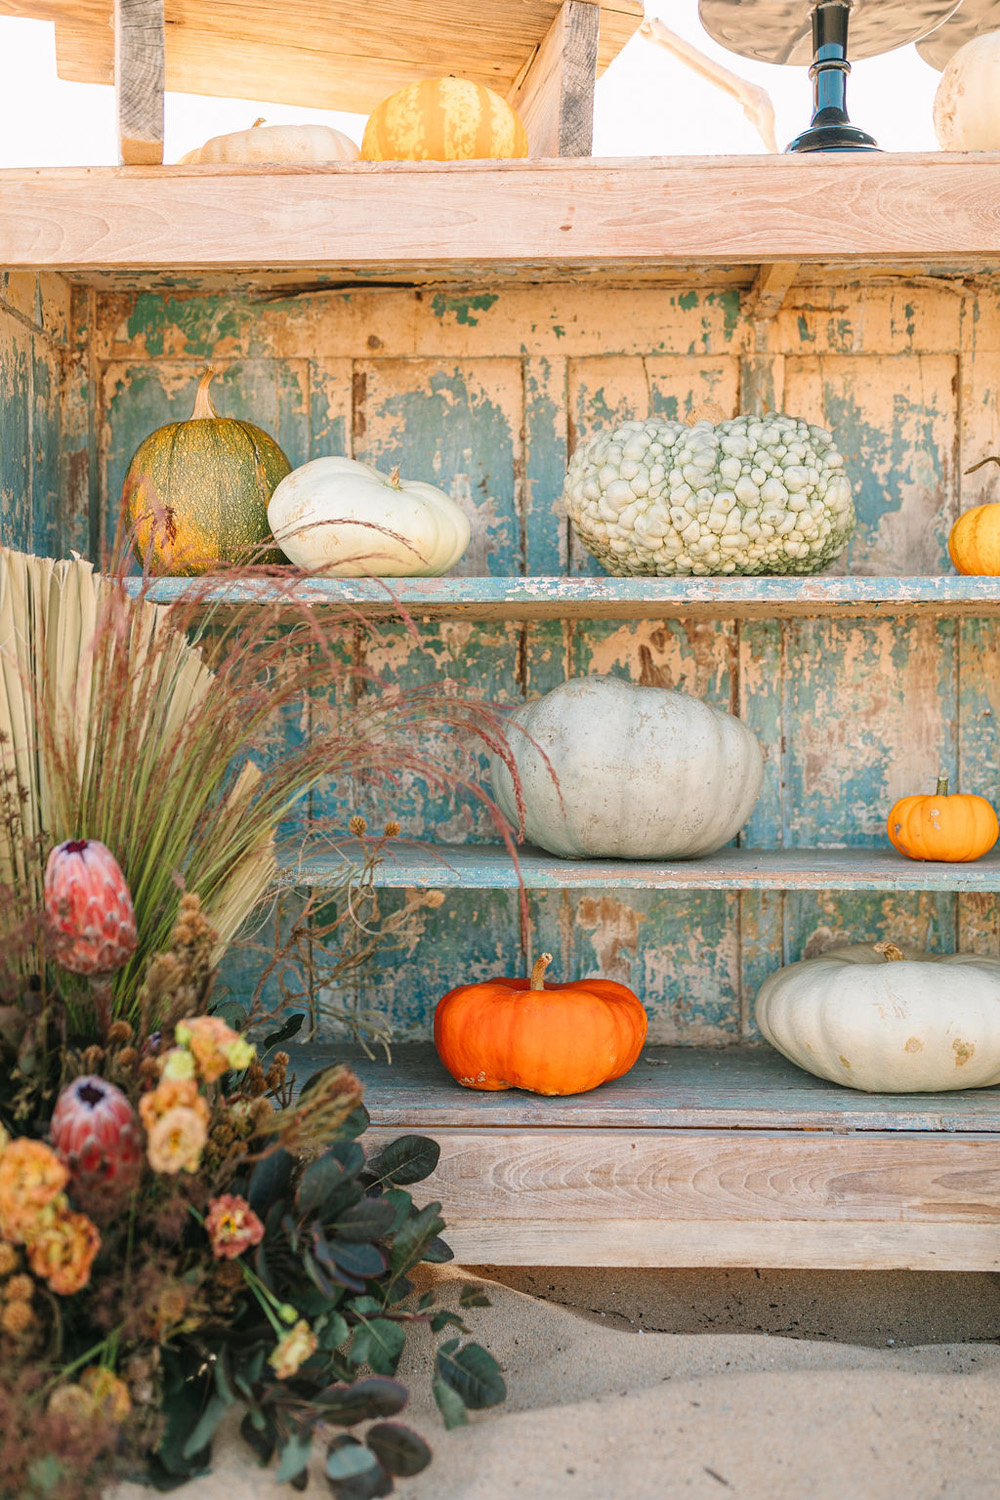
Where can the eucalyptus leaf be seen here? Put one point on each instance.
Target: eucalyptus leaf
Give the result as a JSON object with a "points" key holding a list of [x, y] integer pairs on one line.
{"points": [[473, 1296], [368, 1220], [450, 1404], [293, 1456], [347, 1457], [202, 1434], [437, 1253], [361, 1401], [408, 1159], [473, 1373], [413, 1238], [324, 1176], [289, 1028], [262, 1438], [400, 1450], [403, 1205], [333, 1332], [378, 1344], [268, 1181]]}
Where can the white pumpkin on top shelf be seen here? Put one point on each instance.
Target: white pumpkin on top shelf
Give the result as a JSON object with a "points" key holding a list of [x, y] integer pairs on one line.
{"points": [[274, 145], [342, 517], [967, 102]]}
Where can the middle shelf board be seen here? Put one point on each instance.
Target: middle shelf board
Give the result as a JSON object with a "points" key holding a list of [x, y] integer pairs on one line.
{"points": [[670, 1088], [597, 598], [490, 867]]}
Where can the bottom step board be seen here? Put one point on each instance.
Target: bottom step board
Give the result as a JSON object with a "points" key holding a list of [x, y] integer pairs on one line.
{"points": [[729, 1158]]}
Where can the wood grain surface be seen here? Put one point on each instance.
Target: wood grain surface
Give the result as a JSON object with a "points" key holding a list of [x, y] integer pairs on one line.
{"points": [[330, 54], [138, 31], [930, 210], [555, 96]]}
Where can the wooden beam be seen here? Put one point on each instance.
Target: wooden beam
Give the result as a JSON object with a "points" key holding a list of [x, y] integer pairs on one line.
{"points": [[764, 300], [139, 74], [555, 95]]}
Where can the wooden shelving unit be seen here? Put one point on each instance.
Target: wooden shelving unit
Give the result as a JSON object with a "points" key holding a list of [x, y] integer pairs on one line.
{"points": [[484, 318]]}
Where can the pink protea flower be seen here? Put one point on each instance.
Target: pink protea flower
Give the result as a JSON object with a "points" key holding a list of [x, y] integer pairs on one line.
{"points": [[88, 908], [95, 1131], [232, 1226]]}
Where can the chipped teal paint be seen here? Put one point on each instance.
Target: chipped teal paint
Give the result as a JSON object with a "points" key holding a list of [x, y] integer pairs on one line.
{"points": [[16, 520], [546, 441], [806, 335], [463, 306], [457, 437], [45, 434], [195, 325], [687, 301]]}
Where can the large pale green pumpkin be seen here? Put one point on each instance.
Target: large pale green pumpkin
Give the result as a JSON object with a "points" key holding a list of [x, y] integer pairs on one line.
{"points": [[196, 492]]}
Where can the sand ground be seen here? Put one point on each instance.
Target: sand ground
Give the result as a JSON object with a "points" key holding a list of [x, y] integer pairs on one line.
{"points": [[651, 1385]]}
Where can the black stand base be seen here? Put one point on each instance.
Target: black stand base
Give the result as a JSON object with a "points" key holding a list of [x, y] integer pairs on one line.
{"points": [[842, 137], [830, 129]]}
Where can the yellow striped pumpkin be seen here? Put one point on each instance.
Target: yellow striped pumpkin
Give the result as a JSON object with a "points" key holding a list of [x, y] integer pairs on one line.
{"points": [[443, 119]]}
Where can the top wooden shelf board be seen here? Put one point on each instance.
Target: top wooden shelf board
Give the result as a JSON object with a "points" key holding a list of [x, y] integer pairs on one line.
{"points": [[530, 220], [323, 54]]}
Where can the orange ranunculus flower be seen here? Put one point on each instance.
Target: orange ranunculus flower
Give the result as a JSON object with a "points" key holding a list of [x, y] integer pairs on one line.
{"points": [[109, 1395], [176, 1141], [63, 1252], [293, 1350], [216, 1047], [232, 1226], [172, 1093], [31, 1178]]}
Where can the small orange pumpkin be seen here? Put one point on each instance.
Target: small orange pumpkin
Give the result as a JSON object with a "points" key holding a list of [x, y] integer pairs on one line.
{"points": [[974, 540], [956, 829], [443, 119], [531, 1034]]}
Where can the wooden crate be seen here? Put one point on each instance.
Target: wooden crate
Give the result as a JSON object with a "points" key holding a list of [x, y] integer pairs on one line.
{"points": [[474, 322]]}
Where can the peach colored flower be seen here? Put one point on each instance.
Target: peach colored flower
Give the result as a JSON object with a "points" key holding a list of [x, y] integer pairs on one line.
{"points": [[215, 1046], [31, 1177], [232, 1226], [177, 1140], [63, 1252], [108, 1394], [172, 1093], [293, 1350]]}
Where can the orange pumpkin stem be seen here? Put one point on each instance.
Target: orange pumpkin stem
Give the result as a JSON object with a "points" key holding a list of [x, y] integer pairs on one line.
{"points": [[203, 408], [942, 786], [890, 952], [260, 120], [394, 478], [538, 970]]}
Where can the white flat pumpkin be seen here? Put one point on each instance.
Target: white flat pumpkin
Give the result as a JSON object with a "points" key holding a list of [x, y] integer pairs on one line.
{"points": [[611, 769], [339, 516], [921, 1023], [263, 144]]}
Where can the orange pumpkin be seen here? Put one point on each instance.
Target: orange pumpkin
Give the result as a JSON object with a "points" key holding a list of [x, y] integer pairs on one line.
{"points": [[974, 540], [443, 119], [531, 1034], [955, 829]]}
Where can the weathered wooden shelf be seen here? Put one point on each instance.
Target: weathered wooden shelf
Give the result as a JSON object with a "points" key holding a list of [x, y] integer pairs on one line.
{"points": [[601, 598], [724, 1158], [490, 867], [529, 219]]}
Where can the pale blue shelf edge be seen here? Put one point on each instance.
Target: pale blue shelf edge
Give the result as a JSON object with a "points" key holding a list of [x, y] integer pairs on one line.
{"points": [[490, 867]]}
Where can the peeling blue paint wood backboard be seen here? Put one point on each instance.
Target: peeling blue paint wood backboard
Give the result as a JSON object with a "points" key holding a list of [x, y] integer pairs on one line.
{"points": [[486, 392]]}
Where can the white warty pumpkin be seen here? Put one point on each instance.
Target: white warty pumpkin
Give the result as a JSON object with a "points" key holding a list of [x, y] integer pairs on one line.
{"points": [[749, 495], [336, 515], [921, 1023], [611, 769]]}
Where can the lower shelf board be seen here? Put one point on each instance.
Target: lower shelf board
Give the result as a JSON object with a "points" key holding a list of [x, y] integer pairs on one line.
{"points": [[698, 1158]]}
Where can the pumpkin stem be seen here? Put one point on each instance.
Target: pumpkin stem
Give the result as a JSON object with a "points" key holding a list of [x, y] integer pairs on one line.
{"points": [[394, 478], [203, 408], [706, 411], [538, 970], [259, 121], [990, 459], [942, 786], [890, 952]]}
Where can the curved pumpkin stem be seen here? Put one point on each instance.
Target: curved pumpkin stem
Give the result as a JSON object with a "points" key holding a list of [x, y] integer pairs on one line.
{"points": [[203, 408], [538, 970], [990, 459], [890, 952], [942, 785], [394, 478], [260, 120]]}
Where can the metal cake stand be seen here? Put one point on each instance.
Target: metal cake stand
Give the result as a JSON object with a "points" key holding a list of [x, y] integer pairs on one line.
{"points": [[815, 31]]}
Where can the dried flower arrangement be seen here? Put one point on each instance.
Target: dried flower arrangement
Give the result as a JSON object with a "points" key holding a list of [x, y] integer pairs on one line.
{"points": [[183, 1231]]}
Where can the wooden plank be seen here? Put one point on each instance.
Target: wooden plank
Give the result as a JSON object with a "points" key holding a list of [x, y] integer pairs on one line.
{"points": [[925, 210], [328, 54], [489, 867], [675, 1198], [843, 1246], [727, 1089], [555, 95], [138, 26], [603, 598]]}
